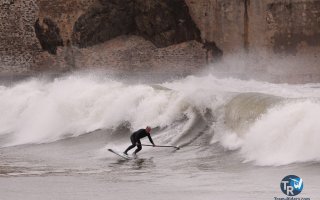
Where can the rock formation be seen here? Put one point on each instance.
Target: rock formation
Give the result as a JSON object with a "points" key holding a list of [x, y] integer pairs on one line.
{"points": [[163, 22], [271, 26], [48, 35], [102, 22], [59, 35]]}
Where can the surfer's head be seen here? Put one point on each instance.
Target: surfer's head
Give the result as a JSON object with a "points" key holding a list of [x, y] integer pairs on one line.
{"points": [[148, 129]]}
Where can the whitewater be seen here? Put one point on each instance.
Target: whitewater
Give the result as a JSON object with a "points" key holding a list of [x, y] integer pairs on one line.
{"points": [[240, 136]]}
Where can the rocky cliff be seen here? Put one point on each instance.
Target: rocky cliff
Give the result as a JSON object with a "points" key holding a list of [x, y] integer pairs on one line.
{"points": [[61, 35]]}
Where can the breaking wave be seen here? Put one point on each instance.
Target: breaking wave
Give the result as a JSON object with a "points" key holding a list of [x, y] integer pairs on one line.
{"points": [[270, 124], [286, 134]]}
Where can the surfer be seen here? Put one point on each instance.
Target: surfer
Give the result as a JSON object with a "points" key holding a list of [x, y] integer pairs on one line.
{"points": [[135, 139]]}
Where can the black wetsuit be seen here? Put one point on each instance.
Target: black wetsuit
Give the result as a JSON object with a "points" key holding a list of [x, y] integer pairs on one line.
{"points": [[135, 140]]}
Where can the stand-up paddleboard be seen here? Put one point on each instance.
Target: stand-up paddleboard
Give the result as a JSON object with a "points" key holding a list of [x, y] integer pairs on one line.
{"points": [[122, 155]]}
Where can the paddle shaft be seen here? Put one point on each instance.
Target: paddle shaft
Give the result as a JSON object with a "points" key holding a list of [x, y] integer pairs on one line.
{"points": [[159, 146]]}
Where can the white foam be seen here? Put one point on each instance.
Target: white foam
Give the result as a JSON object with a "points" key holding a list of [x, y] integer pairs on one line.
{"points": [[38, 111], [286, 134]]}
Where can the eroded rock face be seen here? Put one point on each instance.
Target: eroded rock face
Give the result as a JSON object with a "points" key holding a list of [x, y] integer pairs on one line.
{"points": [[18, 42], [263, 28], [135, 54], [48, 34], [163, 22], [271, 27], [293, 24], [103, 22]]}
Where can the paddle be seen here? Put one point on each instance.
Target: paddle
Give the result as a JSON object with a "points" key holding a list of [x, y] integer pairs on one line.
{"points": [[149, 145]]}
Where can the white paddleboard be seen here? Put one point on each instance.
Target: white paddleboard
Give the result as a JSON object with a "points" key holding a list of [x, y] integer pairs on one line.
{"points": [[122, 155]]}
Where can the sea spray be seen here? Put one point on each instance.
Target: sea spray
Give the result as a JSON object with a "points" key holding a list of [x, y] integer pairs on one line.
{"points": [[39, 111], [286, 134]]}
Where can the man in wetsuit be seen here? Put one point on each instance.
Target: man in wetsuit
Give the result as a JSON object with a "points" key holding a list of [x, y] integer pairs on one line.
{"points": [[135, 139]]}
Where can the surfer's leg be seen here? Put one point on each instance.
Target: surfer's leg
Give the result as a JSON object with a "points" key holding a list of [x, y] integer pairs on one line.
{"points": [[139, 147], [131, 146]]}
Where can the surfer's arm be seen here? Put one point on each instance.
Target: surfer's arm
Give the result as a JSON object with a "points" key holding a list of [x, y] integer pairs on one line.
{"points": [[150, 139]]}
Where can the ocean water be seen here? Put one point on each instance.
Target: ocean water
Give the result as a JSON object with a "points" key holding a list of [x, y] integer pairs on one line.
{"points": [[238, 138]]}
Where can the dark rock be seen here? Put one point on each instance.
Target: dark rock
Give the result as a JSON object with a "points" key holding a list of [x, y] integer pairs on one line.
{"points": [[48, 35], [163, 22], [212, 51], [103, 22]]}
